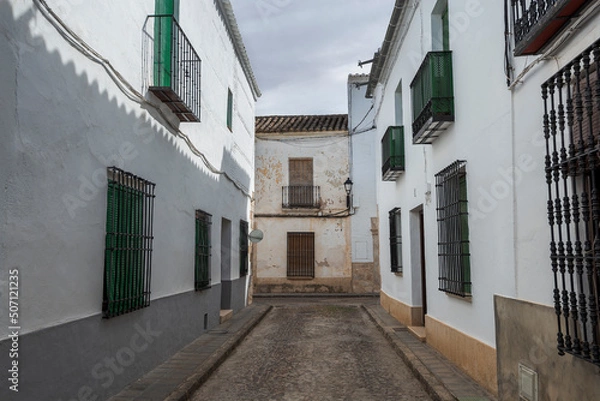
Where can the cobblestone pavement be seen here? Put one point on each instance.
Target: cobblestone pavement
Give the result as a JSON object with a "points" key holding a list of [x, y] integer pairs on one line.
{"points": [[313, 351]]}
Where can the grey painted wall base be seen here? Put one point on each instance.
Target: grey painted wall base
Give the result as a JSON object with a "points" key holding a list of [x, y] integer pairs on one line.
{"points": [[526, 334], [233, 294], [94, 358]]}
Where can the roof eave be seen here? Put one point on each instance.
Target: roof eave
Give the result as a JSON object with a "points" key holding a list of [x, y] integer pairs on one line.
{"points": [[381, 56], [226, 10]]}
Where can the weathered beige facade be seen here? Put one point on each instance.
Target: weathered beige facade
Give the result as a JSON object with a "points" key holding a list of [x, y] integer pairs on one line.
{"points": [[316, 208]]}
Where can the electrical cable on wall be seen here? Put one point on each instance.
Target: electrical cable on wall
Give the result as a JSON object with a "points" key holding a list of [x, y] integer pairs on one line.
{"points": [[363, 119], [508, 69], [124, 86]]}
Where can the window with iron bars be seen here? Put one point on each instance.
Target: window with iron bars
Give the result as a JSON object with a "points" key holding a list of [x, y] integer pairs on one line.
{"points": [[453, 230], [129, 235], [243, 248], [572, 130], [395, 240], [202, 253], [301, 254]]}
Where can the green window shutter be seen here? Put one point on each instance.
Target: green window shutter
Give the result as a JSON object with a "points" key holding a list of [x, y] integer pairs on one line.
{"points": [[464, 231], [110, 255], [243, 248], [229, 109], [202, 251], [163, 44], [128, 243]]}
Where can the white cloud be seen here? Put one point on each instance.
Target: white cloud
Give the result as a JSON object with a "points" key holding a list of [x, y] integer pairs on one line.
{"points": [[303, 50]]}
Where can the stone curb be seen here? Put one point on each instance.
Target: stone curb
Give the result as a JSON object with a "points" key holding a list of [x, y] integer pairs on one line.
{"points": [[433, 386], [185, 390]]}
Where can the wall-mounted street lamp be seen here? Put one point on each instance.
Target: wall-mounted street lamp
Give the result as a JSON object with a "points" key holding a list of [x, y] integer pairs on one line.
{"points": [[348, 187]]}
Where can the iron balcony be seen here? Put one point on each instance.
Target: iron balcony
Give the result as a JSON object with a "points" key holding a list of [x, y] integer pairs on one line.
{"points": [[172, 67], [537, 22], [392, 153], [301, 196], [433, 97]]}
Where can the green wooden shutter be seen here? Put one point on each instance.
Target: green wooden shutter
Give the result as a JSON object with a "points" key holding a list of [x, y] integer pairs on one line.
{"points": [[229, 109], [464, 231], [445, 30], [163, 42]]}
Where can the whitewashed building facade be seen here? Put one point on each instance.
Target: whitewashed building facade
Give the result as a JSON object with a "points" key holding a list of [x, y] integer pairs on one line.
{"points": [[126, 171], [466, 250]]}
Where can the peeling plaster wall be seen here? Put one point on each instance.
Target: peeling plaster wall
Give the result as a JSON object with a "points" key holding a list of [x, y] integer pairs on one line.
{"points": [[330, 168], [332, 235]]}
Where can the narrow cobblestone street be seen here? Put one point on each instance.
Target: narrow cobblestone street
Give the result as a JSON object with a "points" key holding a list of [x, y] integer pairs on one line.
{"points": [[314, 351]]}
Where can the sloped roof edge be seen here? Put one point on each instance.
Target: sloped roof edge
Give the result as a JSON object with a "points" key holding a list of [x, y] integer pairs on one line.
{"points": [[381, 56], [226, 10], [301, 123]]}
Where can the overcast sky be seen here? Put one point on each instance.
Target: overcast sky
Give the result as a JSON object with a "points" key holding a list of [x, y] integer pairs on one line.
{"points": [[303, 50]]}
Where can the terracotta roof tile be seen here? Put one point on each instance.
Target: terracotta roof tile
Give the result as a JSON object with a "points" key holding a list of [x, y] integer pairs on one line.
{"points": [[314, 123]]}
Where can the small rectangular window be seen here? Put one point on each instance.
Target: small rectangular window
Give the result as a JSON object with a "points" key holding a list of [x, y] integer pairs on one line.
{"points": [[301, 255], [453, 230], [229, 110], [202, 253], [243, 248], [395, 240], [129, 235]]}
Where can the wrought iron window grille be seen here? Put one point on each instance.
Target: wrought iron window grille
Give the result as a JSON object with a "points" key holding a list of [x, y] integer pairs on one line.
{"points": [[571, 126], [453, 230], [301, 254], [128, 243], [395, 240], [202, 257]]}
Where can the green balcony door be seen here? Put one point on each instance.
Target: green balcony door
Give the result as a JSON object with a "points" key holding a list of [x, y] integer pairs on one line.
{"points": [[445, 30], [163, 43]]}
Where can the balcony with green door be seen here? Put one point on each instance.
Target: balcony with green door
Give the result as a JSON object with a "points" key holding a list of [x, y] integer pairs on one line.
{"points": [[392, 153], [172, 68], [433, 97]]}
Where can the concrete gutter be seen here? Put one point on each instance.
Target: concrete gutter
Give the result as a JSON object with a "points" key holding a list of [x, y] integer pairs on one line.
{"points": [[226, 10]]}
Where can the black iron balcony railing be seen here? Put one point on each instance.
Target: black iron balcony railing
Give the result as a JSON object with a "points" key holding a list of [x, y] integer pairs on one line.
{"points": [[536, 22], [301, 196], [433, 97], [172, 68], [392, 153]]}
